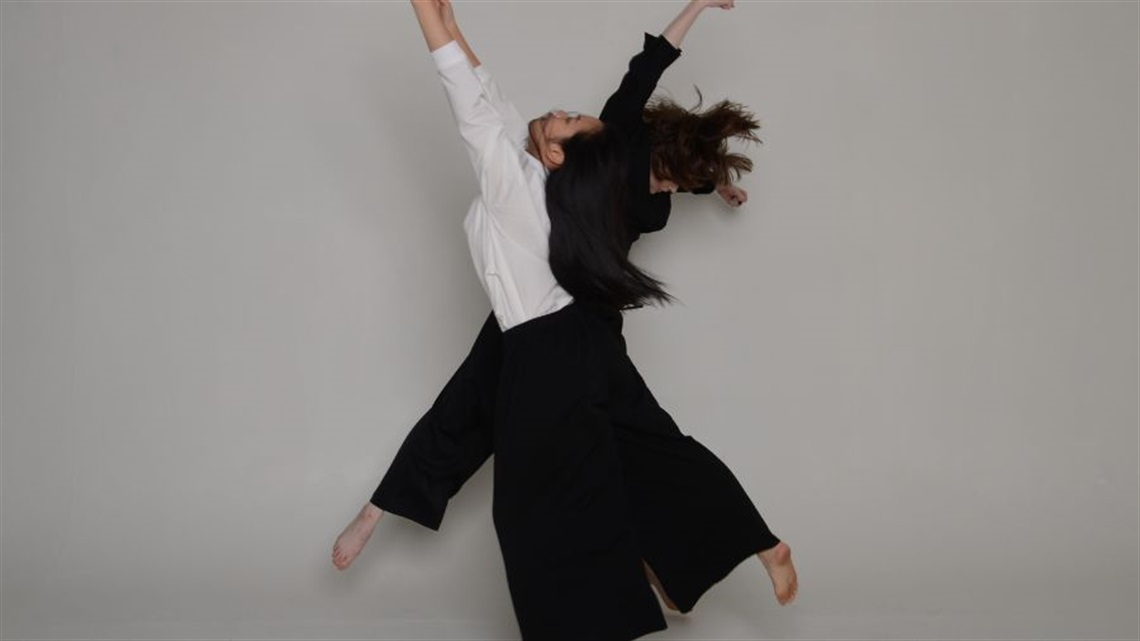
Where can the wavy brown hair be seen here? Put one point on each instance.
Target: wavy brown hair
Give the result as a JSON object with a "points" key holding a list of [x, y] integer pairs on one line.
{"points": [[690, 146]]}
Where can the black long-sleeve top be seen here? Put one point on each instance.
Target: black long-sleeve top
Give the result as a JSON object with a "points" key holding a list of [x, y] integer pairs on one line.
{"points": [[646, 212]]}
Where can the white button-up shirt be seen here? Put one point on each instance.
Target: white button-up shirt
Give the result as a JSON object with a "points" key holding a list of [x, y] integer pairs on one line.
{"points": [[507, 225]]}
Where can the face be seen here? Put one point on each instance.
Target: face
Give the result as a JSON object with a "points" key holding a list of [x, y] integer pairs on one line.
{"points": [[549, 130], [657, 185]]}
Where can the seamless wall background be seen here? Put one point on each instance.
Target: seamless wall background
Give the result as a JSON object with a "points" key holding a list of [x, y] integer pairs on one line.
{"points": [[234, 275]]}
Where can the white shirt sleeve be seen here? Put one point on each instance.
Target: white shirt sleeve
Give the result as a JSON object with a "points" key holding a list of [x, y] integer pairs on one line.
{"points": [[493, 151], [515, 123]]}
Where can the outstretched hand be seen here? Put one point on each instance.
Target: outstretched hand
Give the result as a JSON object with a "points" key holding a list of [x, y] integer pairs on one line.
{"points": [[733, 195], [720, 4]]}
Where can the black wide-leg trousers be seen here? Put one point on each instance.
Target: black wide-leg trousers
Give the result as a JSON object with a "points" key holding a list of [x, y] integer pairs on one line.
{"points": [[451, 441], [692, 521], [560, 508]]}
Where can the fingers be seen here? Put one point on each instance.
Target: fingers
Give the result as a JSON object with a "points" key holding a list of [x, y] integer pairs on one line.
{"points": [[735, 196]]}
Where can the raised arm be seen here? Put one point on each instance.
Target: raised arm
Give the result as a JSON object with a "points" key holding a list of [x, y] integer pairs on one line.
{"points": [[514, 122], [677, 29], [431, 23], [479, 123], [624, 107], [494, 153], [447, 12]]}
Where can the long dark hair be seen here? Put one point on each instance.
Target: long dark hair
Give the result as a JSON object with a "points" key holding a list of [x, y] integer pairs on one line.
{"points": [[690, 146], [585, 198]]}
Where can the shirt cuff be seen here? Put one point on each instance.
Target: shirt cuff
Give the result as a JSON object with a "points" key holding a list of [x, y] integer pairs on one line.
{"points": [[448, 55]]}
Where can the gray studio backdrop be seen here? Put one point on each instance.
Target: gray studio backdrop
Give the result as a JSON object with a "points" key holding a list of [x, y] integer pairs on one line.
{"points": [[234, 275]]}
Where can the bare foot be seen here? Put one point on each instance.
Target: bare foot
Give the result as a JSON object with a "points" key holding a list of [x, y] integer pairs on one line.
{"points": [[351, 541], [778, 562], [656, 583]]}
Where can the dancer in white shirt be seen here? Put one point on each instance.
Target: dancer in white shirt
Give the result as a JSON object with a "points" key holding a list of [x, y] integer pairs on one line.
{"points": [[561, 368], [560, 508]]}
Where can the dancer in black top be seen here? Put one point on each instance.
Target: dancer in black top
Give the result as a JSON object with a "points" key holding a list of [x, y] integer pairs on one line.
{"points": [[665, 473]]}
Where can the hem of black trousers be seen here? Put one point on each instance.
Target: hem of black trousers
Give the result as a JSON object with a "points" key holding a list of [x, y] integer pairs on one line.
{"points": [[431, 521], [714, 573]]}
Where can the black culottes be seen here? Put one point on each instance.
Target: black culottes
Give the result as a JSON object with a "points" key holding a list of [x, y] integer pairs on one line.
{"points": [[592, 476], [560, 507]]}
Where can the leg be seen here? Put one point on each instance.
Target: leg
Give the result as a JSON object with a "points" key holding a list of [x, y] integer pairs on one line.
{"points": [[656, 583], [352, 539], [452, 440], [669, 474], [444, 449], [778, 562]]}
